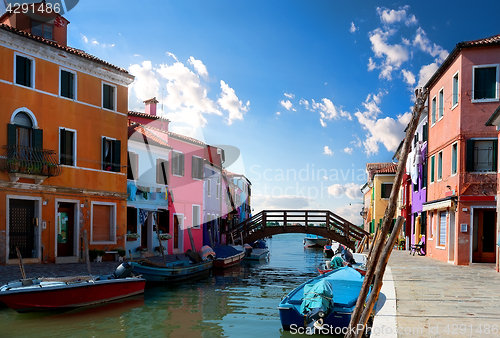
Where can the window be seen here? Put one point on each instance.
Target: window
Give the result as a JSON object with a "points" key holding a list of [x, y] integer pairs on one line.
{"points": [[425, 130], [440, 166], [108, 96], [111, 150], [131, 220], [454, 158], [441, 103], [177, 163], [209, 187], [433, 158], [162, 174], [431, 224], [433, 110], [482, 155], [424, 175], [42, 29], [455, 90], [22, 133], [218, 188], [103, 223], [24, 71], [67, 146], [132, 166], [67, 84], [196, 216], [485, 79], [442, 228], [385, 191], [197, 168]]}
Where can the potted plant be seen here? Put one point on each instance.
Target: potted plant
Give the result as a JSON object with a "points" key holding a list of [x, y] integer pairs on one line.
{"points": [[93, 254], [142, 250], [165, 237], [13, 165], [121, 254], [160, 249], [132, 237]]}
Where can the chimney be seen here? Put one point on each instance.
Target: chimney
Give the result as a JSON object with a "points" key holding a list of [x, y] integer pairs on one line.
{"points": [[151, 106]]}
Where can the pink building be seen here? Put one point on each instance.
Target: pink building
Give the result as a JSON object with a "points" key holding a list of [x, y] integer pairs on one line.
{"points": [[462, 155]]}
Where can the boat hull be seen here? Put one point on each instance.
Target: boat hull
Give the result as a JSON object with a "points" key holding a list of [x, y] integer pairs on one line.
{"points": [[63, 295], [222, 263], [315, 242], [346, 284], [172, 273]]}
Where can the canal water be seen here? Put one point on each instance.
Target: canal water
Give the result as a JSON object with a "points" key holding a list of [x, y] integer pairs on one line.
{"points": [[238, 302]]}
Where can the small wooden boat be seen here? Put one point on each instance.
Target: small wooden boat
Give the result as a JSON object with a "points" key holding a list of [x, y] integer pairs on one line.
{"points": [[358, 263], [253, 254], [36, 294], [324, 301], [314, 241], [178, 267], [227, 256]]}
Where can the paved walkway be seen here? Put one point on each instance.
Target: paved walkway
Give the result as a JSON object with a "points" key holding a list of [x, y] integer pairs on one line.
{"points": [[437, 299]]}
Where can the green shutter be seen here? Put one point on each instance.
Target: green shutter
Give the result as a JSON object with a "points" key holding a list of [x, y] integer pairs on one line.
{"points": [[105, 96], [382, 190], [37, 138], [432, 168], [424, 132], [71, 85], [11, 135], [470, 155], [116, 155], [62, 146]]}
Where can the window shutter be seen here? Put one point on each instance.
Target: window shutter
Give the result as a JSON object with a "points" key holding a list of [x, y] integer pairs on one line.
{"points": [[11, 134], [182, 164], [105, 96], [194, 167], [382, 190], [103, 158], [495, 157], [432, 168], [116, 155], [71, 85], [174, 160], [164, 171], [424, 175], [38, 138], [27, 72], [470, 155], [62, 146], [424, 132]]}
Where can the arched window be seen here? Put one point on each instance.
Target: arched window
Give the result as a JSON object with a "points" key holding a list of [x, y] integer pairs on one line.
{"points": [[24, 127], [23, 131]]}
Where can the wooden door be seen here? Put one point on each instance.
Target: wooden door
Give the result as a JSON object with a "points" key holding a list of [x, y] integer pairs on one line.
{"points": [[486, 237], [22, 228], [65, 230]]}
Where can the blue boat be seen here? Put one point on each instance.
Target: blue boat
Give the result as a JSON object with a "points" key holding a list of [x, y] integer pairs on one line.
{"points": [[315, 241], [179, 267], [326, 301]]}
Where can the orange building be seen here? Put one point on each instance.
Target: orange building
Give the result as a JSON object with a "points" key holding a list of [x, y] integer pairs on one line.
{"points": [[64, 146]]}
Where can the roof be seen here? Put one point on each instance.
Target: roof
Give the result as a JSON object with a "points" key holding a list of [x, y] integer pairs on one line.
{"points": [[139, 132], [491, 121], [186, 138], [387, 170], [376, 166], [74, 51], [485, 42], [151, 117]]}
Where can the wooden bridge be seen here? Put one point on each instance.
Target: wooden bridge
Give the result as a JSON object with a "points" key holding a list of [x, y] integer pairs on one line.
{"points": [[317, 222]]}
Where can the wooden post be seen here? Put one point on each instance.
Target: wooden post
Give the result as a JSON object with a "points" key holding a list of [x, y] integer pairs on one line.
{"points": [[21, 265], [87, 258], [379, 274], [159, 238], [191, 239], [389, 213]]}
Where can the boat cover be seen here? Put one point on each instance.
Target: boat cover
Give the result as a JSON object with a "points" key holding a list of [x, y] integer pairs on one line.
{"points": [[206, 252], [225, 251], [336, 262], [318, 295]]}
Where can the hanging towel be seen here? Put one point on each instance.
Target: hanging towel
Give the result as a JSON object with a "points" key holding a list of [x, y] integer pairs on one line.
{"points": [[143, 216]]}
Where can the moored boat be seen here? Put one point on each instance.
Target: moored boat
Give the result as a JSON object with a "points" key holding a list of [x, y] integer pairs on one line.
{"points": [[37, 294], [355, 260], [315, 241], [326, 301], [226, 256], [178, 267]]}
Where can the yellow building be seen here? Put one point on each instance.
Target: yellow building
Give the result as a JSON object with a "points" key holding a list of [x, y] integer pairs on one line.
{"points": [[63, 163]]}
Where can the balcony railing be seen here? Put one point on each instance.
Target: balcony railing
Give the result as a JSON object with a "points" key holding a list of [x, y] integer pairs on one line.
{"points": [[29, 161]]}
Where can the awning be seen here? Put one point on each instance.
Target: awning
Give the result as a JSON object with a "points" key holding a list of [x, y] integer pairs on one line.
{"points": [[438, 204]]}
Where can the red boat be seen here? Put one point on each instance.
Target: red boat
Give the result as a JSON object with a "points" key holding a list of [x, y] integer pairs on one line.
{"points": [[227, 256], [69, 292]]}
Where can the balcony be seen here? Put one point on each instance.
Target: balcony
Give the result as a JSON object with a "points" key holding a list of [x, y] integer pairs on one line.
{"points": [[28, 162]]}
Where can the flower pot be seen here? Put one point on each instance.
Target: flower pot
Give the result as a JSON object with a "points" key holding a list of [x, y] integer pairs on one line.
{"points": [[131, 239]]}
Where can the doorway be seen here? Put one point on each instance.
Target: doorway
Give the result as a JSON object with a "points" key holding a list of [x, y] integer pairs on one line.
{"points": [[178, 225], [66, 230], [22, 228], [484, 236]]}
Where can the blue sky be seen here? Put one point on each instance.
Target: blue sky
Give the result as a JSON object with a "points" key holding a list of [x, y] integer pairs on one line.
{"points": [[309, 91]]}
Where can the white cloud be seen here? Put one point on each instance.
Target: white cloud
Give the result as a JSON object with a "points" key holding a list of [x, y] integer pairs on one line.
{"points": [[347, 150], [145, 85], [287, 105], [325, 178], [357, 143], [323, 124], [408, 76], [371, 65], [426, 73], [289, 95], [172, 56], [278, 113], [393, 16], [421, 41], [353, 28], [230, 102], [327, 111], [351, 213], [265, 202], [393, 55], [327, 151], [305, 103], [199, 67], [84, 38], [350, 190]]}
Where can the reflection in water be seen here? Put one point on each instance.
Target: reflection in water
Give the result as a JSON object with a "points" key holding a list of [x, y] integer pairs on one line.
{"points": [[238, 302]]}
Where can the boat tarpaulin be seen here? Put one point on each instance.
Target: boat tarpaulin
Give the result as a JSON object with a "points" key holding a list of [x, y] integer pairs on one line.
{"points": [[318, 295]]}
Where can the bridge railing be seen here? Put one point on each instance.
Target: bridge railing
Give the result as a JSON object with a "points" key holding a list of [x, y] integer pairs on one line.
{"points": [[306, 218]]}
